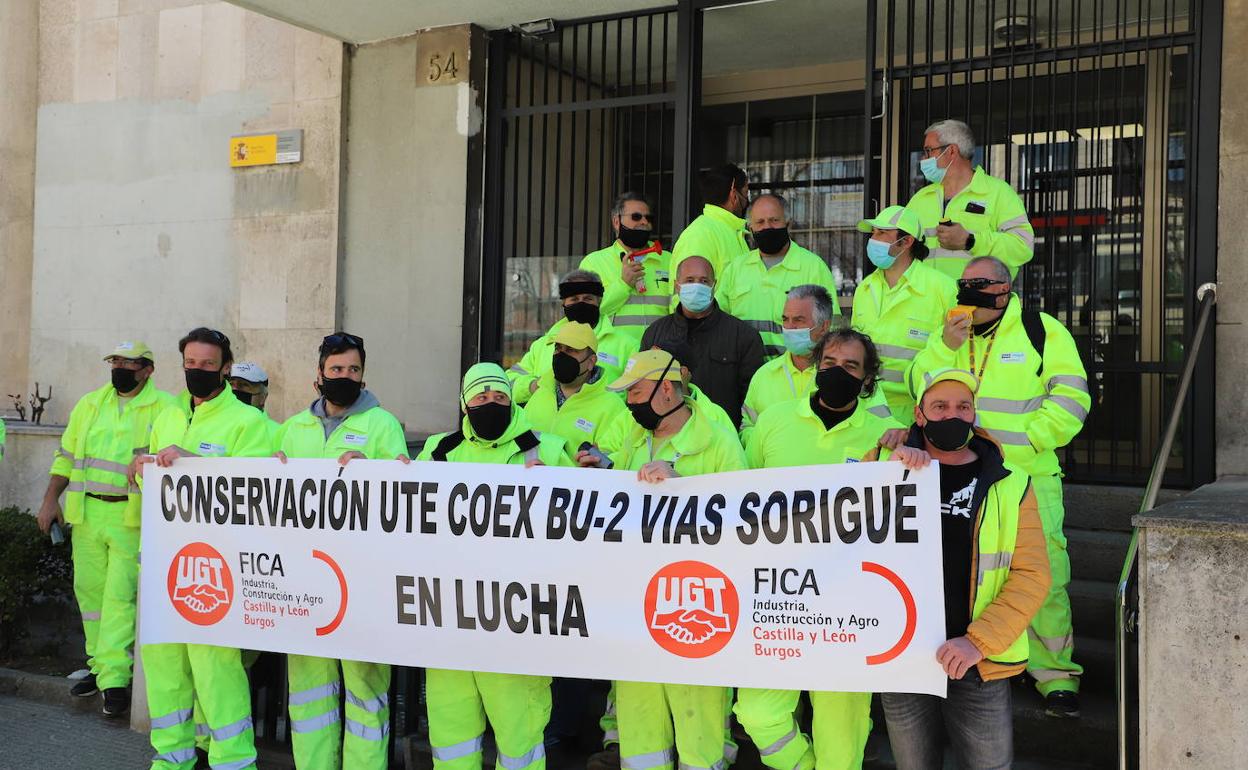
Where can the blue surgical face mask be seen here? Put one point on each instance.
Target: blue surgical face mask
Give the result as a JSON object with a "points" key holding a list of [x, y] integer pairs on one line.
{"points": [[798, 341], [932, 172], [696, 297], [877, 252]]}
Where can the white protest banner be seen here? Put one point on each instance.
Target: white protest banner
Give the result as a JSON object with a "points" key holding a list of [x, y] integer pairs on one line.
{"points": [[823, 578]]}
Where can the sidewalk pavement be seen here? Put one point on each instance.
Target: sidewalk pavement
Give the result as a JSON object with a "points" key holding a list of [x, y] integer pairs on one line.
{"points": [[39, 736]]}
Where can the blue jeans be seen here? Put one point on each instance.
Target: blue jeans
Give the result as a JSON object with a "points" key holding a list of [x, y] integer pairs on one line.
{"points": [[976, 715]]}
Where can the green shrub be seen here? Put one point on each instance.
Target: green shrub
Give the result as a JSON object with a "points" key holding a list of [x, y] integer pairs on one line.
{"points": [[31, 569]]}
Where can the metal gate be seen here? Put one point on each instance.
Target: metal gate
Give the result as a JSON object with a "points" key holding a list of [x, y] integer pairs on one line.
{"points": [[579, 113], [1089, 109]]}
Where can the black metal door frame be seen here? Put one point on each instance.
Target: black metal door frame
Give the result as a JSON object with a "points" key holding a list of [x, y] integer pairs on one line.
{"points": [[1202, 40], [505, 47]]}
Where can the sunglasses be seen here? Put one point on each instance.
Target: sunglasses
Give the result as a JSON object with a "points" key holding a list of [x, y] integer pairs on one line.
{"points": [[979, 283], [342, 338], [636, 217]]}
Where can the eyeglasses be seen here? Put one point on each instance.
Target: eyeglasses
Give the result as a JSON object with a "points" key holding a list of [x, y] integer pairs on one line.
{"points": [[635, 216], [929, 152], [133, 364], [980, 283], [342, 338]]}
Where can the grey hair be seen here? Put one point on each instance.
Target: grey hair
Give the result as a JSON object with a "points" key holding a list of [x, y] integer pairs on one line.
{"points": [[581, 276], [999, 271], [784, 205], [954, 132], [821, 297], [617, 208]]}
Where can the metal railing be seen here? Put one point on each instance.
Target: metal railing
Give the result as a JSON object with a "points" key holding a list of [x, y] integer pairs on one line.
{"points": [[1128, 602]]}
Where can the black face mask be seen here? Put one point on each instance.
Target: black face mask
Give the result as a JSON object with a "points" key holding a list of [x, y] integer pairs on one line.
{"points": [[340, 391], [582, 312], [202, 383], [634, 238], [124, 380], [244, 396], [772, 240], [948, 435], [977, 298], [565, 368], [837, 388], [489, 420], [644, 413]]}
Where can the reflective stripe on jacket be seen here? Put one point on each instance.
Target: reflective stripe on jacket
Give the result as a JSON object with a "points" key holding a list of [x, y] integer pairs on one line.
{"points": [[900, 320], [1002, 229], [629, 310], [755, 294], [1010, 562], [1031, 407], [100, 441]]}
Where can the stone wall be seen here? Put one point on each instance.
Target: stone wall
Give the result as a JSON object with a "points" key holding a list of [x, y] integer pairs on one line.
{"points": [[1232, 312], [28, 451], [1194, 630], [141, 227]]}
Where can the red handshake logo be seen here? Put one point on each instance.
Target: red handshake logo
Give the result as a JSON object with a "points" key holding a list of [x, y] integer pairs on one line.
{"points": [[690, 626], [200, 597]]}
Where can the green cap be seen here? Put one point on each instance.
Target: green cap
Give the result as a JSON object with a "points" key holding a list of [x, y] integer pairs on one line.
{"points": [[483, 377], [895, 218], [131, 350], [948, 375]]}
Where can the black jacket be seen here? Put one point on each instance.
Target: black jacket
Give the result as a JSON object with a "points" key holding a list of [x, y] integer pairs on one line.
{"points": [[724, 352]]}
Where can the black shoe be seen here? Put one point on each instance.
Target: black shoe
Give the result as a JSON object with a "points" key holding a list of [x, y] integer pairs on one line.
{"points": [[607, 759], [1062, 704], [116, 701], [85, 687], [201, 759]]}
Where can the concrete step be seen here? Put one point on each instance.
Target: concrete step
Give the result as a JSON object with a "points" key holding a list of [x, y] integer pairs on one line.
{"points": [[1097, 656], [1092, 602], [1089, 741], [1096, 554], [1106, 508]]}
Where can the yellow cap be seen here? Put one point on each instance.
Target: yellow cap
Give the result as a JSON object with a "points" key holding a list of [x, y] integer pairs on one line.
{"points": [[949, 375], [131, 350], [895, 218], [577, 336], [647, 365]]}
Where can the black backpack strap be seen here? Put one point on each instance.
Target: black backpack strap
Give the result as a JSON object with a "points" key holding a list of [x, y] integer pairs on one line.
{"points": [[447, 445], [1033, 324], [526, 441]]}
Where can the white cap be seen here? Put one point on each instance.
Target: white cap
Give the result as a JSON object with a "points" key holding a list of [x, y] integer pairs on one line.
{"points": [[246, 370]]}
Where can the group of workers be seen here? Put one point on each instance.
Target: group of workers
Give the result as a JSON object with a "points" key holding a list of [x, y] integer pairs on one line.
{"points": [[727, 353]]}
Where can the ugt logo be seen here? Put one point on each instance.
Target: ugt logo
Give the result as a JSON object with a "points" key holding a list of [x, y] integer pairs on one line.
{"points": [[691, 609], [200, 584]]}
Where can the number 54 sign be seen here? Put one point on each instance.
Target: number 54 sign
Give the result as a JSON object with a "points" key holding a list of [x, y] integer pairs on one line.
{"points": [[442, 57]]}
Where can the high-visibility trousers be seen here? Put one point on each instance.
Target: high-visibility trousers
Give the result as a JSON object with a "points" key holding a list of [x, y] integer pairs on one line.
{"points": [[658, 722], [608, 722], [203, 736], [841, 722], [315, 722], [106, 580], [1051, 635], [460, 702], [178, 674]]}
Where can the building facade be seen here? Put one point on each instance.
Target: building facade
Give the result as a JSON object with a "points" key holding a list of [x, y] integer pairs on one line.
{"points": [[456, 158]]}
